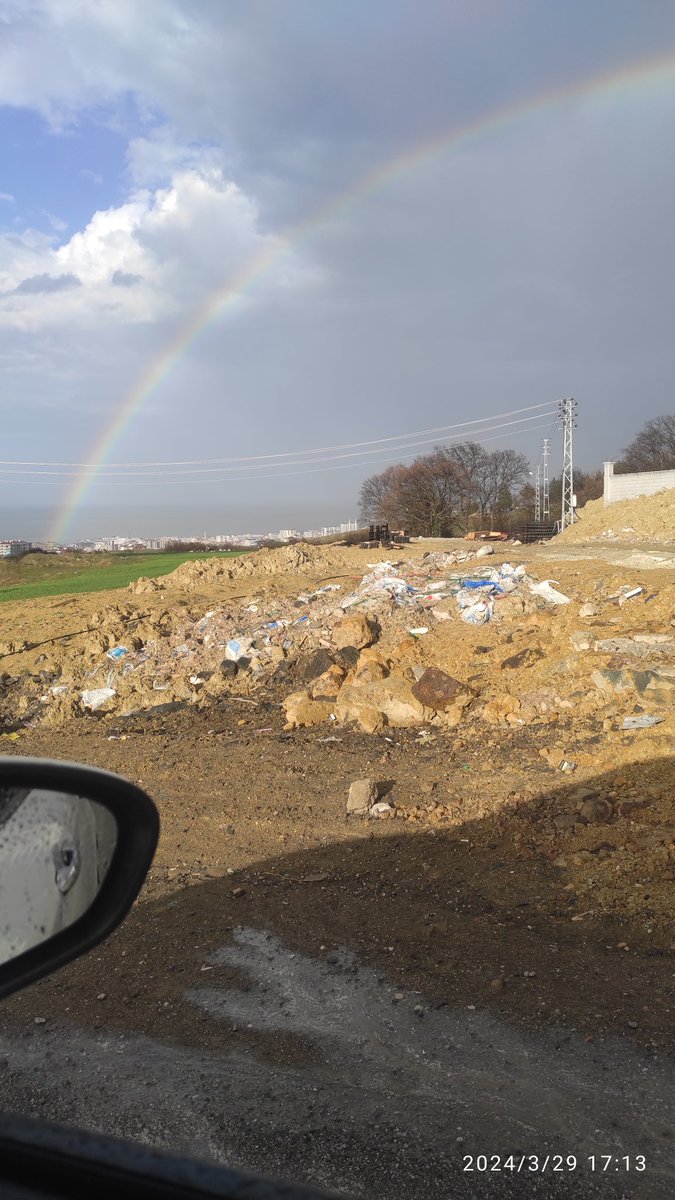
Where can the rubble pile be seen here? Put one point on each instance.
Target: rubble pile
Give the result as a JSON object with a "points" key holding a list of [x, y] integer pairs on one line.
{"points": [[645, 519], [431, 642], [299, 559]]}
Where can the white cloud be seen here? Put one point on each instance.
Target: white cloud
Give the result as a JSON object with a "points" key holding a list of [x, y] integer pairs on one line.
{"points": [[161, 252], [7, 197]]}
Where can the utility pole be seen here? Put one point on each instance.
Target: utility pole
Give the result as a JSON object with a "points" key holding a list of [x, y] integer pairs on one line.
{"points": [[537, 496], [567, 415], [546, 500]]}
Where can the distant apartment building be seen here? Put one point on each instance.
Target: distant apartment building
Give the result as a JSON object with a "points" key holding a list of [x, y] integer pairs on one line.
{"points": [[14, 548], [285, 535]]}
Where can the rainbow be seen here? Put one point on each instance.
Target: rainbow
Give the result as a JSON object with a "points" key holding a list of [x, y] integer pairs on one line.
{"points": [[609, 84]]}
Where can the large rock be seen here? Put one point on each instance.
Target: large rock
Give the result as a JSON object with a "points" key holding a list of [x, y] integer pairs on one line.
{"points": [[362, 794], [347, 656], [355, 630], [301, 710], [327, 686], [383, 702], [370, 667], [655, 685], [438, 690], [314, 665]]}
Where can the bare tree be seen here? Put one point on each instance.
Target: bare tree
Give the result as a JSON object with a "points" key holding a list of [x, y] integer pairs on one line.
{"points": [[653, 449], [428, 493], [437, 494], [374, 494]]}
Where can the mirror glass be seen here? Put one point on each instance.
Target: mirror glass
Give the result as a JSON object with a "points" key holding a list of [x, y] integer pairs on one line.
{"points": [[55, 851]]}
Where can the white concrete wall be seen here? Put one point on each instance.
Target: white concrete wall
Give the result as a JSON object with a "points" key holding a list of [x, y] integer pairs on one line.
{"points": [[641, 483]]}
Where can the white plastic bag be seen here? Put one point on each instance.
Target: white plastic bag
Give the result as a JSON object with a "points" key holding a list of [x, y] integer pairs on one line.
{"points": [[478, 613], [549, 593], [95, 698]]}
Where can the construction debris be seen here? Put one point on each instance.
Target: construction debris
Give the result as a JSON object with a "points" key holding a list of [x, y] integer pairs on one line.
{"points": [[379, 649]]}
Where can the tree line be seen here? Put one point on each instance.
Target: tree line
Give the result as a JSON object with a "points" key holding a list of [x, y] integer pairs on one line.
{"points": [[458, 488], [440, 493]]}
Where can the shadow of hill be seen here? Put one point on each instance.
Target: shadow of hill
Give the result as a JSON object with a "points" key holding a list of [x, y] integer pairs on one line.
{"points": [[473, 915]]}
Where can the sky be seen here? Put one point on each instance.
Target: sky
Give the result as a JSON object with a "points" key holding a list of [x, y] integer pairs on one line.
{"points": [[252, 253]]}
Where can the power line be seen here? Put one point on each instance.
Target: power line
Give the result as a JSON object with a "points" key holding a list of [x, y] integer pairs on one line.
{"points": [[155, 482], [251, 467], [198, 462]]}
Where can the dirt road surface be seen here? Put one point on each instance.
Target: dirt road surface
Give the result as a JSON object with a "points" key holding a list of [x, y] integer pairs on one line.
{"points": [[370, 1004]]}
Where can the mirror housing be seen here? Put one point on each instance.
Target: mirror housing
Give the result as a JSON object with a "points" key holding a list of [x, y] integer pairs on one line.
{"points": [[137, 824]]}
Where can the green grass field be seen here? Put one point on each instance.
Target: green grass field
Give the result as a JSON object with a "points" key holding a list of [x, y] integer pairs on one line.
{"points": [[38, 575]]}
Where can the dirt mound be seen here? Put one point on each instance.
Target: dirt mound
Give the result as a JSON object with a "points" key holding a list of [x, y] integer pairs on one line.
{"points": [[301, 559], [645, 519]]}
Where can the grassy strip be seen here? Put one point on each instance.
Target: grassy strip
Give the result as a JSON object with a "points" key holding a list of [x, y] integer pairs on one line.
{"points": [[103, 578]]}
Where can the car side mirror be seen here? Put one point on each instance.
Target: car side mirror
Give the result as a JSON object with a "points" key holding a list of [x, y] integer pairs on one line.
{"points": [[75, 847]]}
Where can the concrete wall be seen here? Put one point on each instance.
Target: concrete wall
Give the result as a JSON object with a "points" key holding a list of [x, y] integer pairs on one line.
{"points": [[641, 483]]}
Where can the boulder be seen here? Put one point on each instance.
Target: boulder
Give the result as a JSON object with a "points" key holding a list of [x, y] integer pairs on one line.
{"points": [[327, 686], [370, 667], [362, 795], [315, 665], [438, 690], [355, 630], [656, 685], [301, 710], [374, 704], [347, 656]]}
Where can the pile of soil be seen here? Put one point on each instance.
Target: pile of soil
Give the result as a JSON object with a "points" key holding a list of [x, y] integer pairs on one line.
{"points": [[299, 559], [645, 519]]}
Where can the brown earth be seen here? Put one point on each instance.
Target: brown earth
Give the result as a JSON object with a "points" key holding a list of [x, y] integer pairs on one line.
{"points": [[645, 519], [499, 880]]}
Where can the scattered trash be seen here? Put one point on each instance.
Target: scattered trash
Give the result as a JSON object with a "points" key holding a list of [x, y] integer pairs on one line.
{"points": [[95, 698], [629, 595], [548, 592], [419, 632], [478, 613], [567, 765], [236, 650], [117, 652], [643, 722], [380, 809]]}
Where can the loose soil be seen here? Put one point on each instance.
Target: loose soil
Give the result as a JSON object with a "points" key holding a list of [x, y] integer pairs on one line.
{"points": [[645, 519]]}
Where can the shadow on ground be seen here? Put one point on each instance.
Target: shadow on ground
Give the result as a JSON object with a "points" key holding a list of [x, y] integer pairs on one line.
{"points": [[477, 915]]}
